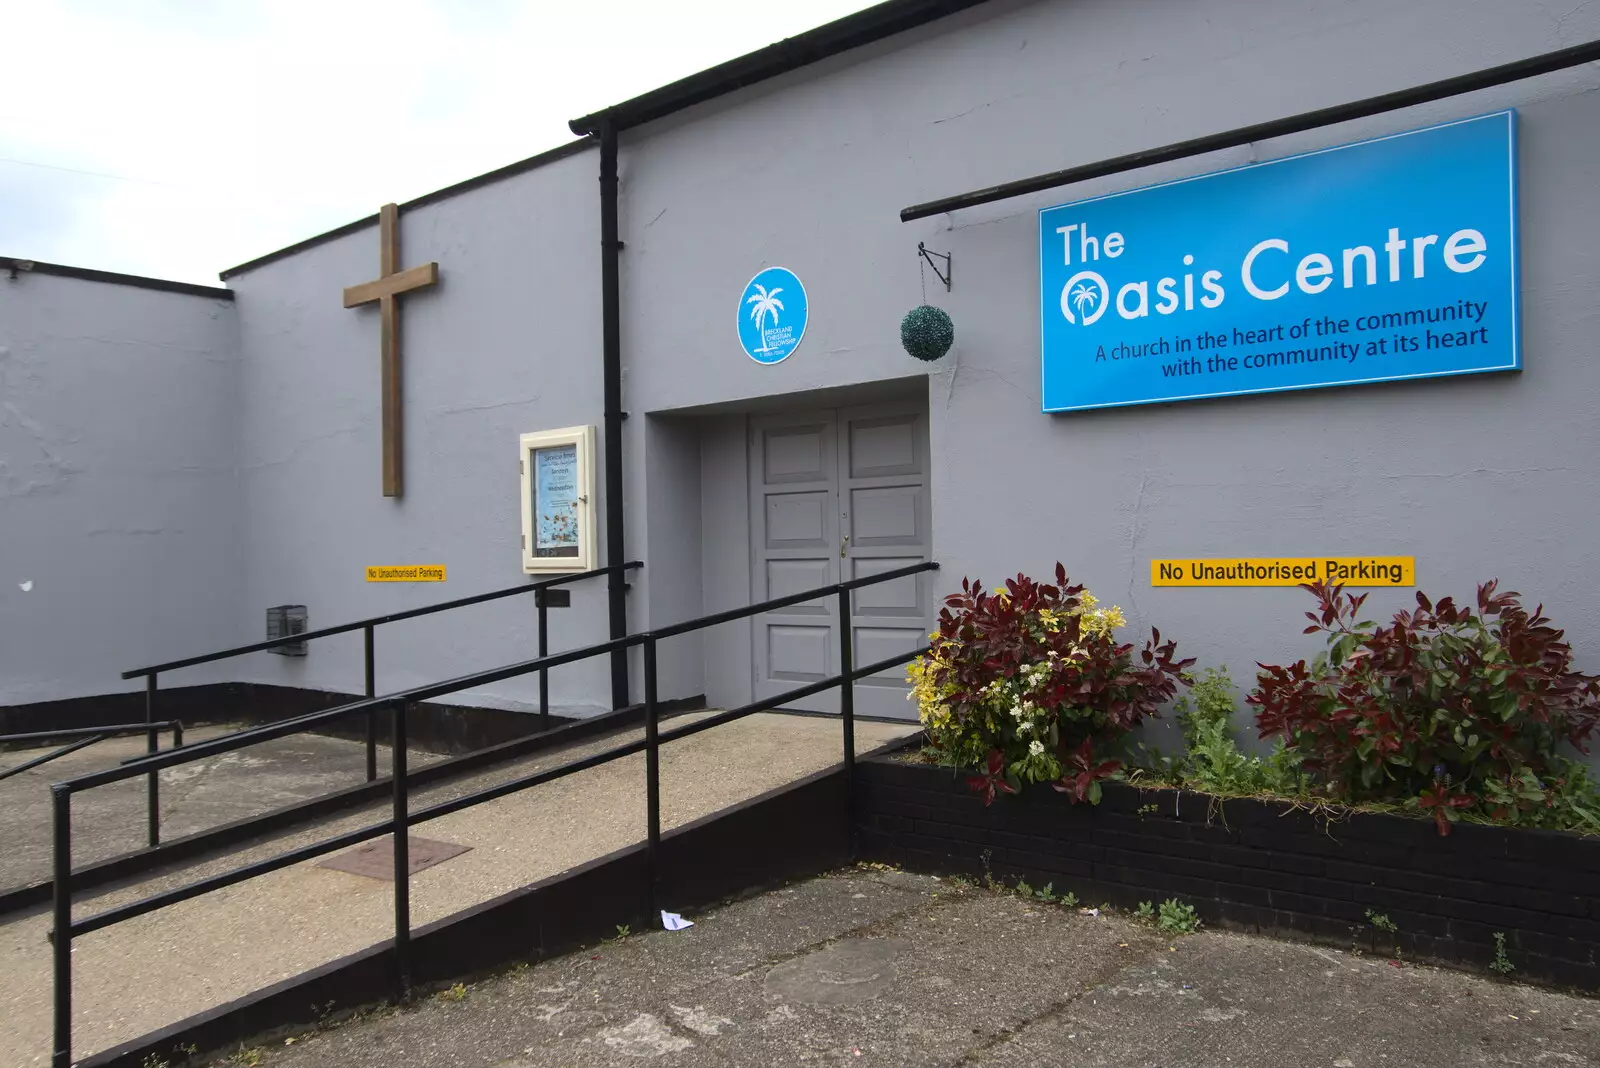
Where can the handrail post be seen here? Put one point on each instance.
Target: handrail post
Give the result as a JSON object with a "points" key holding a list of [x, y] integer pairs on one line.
{"points": [[61, 935], [539, 599], [372, 716], [652, 772], [177, 735], [847, 707], [152, 782], [402, 856]]}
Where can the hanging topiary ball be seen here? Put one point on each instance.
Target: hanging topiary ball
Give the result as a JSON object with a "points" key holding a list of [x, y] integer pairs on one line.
{"points": [[927, 332]]}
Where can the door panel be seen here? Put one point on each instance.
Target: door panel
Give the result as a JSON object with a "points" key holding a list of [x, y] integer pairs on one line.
{"points": [[897, 597], [886, 515], [799, 654], [794, 483], [840, 494], [799, 520], [884, 446]]}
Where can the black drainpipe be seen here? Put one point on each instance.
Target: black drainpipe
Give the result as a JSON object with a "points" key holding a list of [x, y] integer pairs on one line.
{"points": [[611, 358]]}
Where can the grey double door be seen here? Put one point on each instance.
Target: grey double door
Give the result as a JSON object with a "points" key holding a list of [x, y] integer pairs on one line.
{"points": [[839, 494]]}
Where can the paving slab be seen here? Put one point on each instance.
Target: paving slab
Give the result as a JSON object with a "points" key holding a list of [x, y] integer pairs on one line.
{"points": [[872, 967], [141, 975]]}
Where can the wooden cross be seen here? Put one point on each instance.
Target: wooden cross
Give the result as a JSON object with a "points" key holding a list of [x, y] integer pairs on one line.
{"points": [[386, 290]]}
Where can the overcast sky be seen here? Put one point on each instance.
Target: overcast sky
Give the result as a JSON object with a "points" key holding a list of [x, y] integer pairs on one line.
{"points": [[175, 138]]}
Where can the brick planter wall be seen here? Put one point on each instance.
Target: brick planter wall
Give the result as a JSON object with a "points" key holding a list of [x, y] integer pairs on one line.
{"points": [[1259, 866]]}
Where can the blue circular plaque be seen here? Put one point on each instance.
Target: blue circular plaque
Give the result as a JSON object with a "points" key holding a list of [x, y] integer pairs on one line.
{"points": [[772, 315]]}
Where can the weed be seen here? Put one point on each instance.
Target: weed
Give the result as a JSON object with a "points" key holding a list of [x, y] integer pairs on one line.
{"points": [[1069, 900], [1145, 913], [455, 993], [248, 1058], [1047, 894], [1175, 917], [1147, 810], [1501, 965], [1382, 922], [1023, 888], [988, 876], [153, 1061], [623, 931]]}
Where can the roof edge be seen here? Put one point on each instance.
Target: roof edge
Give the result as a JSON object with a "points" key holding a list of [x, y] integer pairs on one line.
{"points": [[830, 39], [14, 265], [571, 148]]}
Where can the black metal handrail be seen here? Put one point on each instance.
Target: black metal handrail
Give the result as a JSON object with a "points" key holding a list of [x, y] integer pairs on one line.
{"points": [[368, 627], [87, 736], [65, 929]]}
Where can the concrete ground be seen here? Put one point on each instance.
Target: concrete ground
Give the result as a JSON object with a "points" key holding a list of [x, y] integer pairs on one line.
{"points": [[194, 797], [143, 974], [879, 967]]}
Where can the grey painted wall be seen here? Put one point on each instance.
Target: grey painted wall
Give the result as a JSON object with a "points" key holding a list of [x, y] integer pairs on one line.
{"points": [[1474, 477], [118, 503], [508, 342], [1477, 478]]}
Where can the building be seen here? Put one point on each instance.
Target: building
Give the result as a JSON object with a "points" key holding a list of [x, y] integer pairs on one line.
{"points": [[175, 460]]}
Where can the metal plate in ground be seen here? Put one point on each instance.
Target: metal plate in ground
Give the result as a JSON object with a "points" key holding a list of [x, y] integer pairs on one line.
{"points": [[375, 860]]}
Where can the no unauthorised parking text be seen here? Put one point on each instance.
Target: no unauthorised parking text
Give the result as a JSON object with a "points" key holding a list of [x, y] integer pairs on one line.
{"points": [[1286, 571], [406, 573]]}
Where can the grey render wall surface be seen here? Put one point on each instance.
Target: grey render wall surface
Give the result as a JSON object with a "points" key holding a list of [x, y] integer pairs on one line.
{"points": [[118, 502], [507, 342], [1477, 477]]}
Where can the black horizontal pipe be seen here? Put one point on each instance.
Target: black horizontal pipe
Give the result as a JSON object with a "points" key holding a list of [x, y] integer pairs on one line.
{"points": [[345, 628], [784, 602], [767, 704], [1548, 63], [78, 732], [82, 743], [228, 743], [499, 790]]}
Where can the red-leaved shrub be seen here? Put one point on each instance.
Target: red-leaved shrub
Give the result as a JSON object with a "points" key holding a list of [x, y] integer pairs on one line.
{"points": [[1445, 709]]}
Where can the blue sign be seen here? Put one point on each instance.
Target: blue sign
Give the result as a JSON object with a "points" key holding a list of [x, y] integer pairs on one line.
{"points": [[772, 315], [1383, 260]]}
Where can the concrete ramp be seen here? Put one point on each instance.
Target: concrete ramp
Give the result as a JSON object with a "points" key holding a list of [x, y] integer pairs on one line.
{"points": [[152, 971]]}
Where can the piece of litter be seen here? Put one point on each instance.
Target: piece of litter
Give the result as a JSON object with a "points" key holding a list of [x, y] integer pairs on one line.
{"points": [[856, 1052], [26, 586], [1512, 1015], [671, 921], [1091, 912], [1122, 945]]}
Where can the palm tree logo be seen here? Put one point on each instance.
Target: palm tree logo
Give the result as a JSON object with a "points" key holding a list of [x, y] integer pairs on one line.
{"points": [[766, 305], [1084, 294]]}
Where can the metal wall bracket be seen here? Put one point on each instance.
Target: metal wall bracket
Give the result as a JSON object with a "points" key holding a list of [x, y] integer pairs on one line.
{"points": [[944, 275]]}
